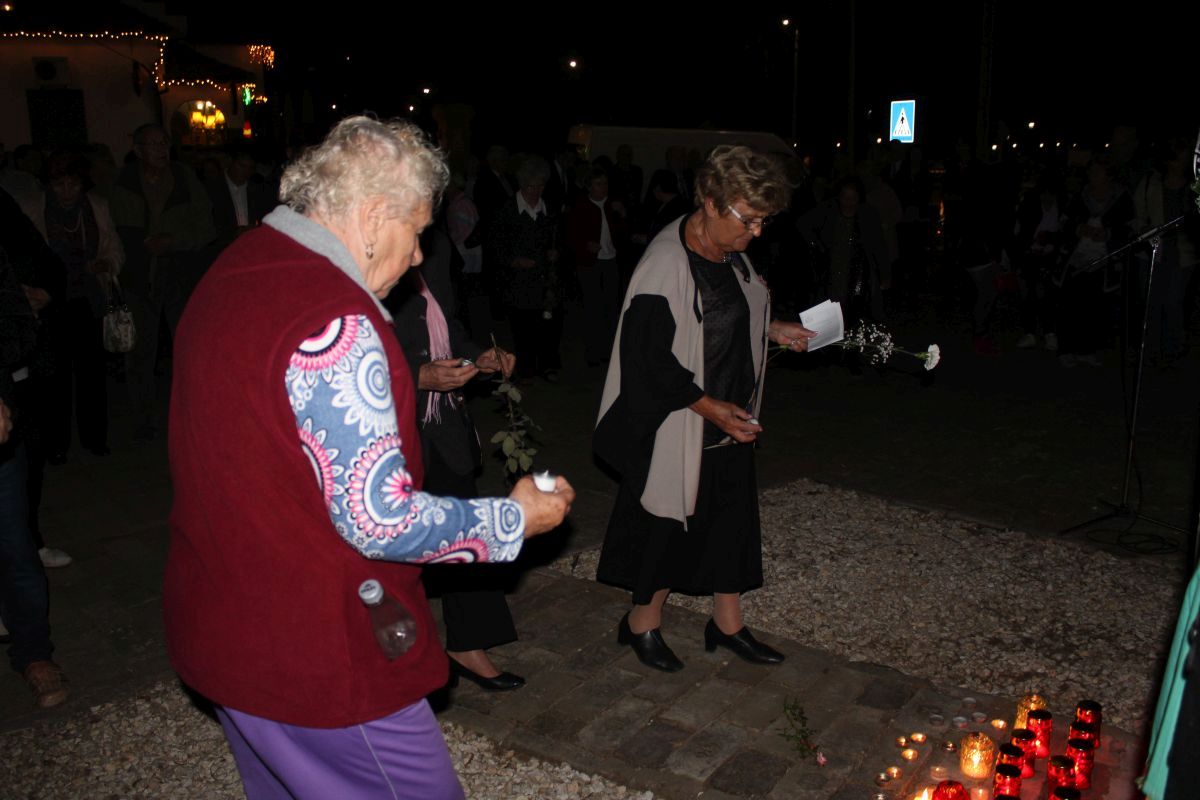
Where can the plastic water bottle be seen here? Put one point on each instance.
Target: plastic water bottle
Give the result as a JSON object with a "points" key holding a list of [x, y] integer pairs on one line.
{"points": [[395, 629]]}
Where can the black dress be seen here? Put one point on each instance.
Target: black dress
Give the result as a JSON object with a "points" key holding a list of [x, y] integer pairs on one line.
{"points": [[474, 607], [721, 550]]}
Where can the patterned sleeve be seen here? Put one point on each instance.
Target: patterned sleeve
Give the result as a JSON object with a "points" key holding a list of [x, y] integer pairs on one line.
{"points": [[339, 388]]}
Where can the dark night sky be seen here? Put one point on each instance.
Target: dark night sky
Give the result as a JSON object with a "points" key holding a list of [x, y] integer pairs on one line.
{"points": [[730, 66]]}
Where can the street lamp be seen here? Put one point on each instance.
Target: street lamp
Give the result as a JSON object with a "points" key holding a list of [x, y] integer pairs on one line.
{"points": [[787, 23]]}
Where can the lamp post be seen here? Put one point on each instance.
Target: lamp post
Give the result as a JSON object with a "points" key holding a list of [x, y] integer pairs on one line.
{"points": [[787, 23]]}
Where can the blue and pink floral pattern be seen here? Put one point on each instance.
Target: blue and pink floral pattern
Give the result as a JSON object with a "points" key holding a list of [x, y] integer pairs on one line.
{"points": [[339, 387]]}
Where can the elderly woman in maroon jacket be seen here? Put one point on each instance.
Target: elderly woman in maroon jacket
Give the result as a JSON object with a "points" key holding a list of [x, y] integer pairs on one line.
{"points": [[296, 462], [596, 231]]}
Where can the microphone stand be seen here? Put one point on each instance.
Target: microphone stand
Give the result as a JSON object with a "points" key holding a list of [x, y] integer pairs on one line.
{"points": [[1122, 510]]}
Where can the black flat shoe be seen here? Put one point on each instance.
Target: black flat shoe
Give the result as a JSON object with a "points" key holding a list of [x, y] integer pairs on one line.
{"points": [[650, 648], [504, 682], [741, 643]]}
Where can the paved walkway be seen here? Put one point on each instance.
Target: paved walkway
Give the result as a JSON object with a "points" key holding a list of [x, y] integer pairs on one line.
{"points": [[1015, 441], [713, 730]]}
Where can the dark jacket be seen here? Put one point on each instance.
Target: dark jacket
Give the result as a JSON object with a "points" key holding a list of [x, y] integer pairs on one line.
{"points": [[453, 437], [514, 234], [186, 217], [583, 226]]}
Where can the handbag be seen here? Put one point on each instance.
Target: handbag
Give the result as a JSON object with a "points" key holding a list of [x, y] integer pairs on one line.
{"points": [[119, 332]]}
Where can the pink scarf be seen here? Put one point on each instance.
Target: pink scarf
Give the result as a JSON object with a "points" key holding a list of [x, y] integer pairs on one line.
{"points": [[439, 346]]}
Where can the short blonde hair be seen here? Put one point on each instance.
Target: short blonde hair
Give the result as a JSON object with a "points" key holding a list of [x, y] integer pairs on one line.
{"points": [[363, 158], [737, 172]]}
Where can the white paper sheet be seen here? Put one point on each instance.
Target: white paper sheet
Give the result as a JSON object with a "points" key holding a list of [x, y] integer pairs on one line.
{"points": [[826, 319]]}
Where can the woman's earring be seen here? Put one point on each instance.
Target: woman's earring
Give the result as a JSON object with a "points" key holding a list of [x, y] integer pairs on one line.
{"points": [[370, 250]]}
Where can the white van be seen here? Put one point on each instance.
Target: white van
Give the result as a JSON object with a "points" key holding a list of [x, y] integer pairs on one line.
{"points": [[650, 144]]}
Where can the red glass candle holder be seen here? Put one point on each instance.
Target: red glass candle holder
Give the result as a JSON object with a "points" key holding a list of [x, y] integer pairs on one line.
{"points": [[1091, 712], [1041, 723], [1064, 793], [1007, 780], [950, 790], [1083, 730], [1060, 771], [1012, 755], [1024, 739], [1083, 753]]}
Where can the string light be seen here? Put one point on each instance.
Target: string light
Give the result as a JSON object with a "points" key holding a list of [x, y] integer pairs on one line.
{"points": [[265, 54], [194, 83], [259, 53]]}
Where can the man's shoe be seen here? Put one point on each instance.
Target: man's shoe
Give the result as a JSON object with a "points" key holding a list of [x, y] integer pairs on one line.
{"points": [[650, 648], [741, 643], [504, 682], [52, 557], [47, 683]]}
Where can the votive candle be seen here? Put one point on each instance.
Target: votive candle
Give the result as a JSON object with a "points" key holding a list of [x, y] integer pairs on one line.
{"points": [[950, 790], [893, 772], [1024, 739], [1083, 753], [938, 772], [1041, 723], [1007, 780], [1060, 771], [1000, 724], [1083, 730], [908, 754], [901, 741], [1026, 704], [1091, 712], [918, 737], [1012, 755], [976, 755]]}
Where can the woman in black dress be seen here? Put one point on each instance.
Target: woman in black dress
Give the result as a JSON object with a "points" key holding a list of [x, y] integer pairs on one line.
{"points": [[678, 417]]}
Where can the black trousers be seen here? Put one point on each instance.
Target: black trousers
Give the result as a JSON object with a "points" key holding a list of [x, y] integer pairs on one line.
{"points": [[473, 605], [79, 377], [536, 340]]}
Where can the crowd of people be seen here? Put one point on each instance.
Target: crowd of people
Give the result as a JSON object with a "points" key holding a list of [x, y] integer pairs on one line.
{"points": [[285, 297]]}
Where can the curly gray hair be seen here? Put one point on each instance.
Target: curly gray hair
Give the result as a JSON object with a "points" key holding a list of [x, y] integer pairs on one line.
{"points": [[362, 158], [737, 172]]}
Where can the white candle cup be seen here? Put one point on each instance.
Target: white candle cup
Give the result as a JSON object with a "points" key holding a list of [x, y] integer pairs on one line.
{"points": [[545, 481]]}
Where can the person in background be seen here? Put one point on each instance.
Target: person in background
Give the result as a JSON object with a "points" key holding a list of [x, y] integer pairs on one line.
{"points": [[164, 218]]}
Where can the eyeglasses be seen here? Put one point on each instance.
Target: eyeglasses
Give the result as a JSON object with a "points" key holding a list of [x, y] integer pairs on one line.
{"points": [[750, 224]]}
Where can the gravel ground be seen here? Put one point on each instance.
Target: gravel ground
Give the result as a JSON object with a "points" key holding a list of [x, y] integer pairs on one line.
{"points": [[159, 745], [958, 603]]}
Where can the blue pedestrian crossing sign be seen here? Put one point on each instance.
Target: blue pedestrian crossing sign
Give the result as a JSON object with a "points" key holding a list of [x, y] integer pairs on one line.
{"points": [[903, 121]]}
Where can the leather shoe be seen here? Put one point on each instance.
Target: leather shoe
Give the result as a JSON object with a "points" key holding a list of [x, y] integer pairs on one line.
{"points": [[650, 648], [504, 682], [47, 683], [741, 643]]}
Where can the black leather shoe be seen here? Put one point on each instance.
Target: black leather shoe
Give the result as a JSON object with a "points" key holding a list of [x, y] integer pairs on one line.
{"points": [[650, 648], [741, 643], [504, 682]]}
